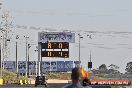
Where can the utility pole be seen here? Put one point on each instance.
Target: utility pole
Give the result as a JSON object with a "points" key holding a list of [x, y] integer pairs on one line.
{"points": [[0, 61], [0, 47], [36, 50], [79, 48], [39, 59], [17, 59], [1, 51], [0, 4], [26, 56], [28, 59], [0, 38], [90, 61], [90, 56]]}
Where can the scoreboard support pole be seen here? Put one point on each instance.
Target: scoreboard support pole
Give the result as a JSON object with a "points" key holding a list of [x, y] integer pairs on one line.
{"points": [[39, 58]]}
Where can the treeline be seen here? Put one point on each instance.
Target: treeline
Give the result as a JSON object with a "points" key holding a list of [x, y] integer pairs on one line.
{"points": [[112, 71]]}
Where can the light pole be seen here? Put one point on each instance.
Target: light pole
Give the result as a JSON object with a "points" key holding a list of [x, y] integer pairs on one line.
{"points": [[36, 50], [39, 59], [0, 4], [79, 48], [0, 60], [28, 59], [17, 37], [1, 51], [26, 56]]}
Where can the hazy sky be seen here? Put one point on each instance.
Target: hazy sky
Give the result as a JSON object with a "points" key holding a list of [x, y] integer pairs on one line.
{"points": [[85, 15]]}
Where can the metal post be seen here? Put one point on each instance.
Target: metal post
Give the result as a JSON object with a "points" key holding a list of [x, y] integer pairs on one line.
{"points": [[1, 56], [36, 68], [50, 66], [0, 61], [90, 55], [79, 50], [26, 56], [90, 59], [36, 50], [28, 60], [41, 72], [17, 59], [39, 58], [16, 62], [3, 51], [40, 67]]}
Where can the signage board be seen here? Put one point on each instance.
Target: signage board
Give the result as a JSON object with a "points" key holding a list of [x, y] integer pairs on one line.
{"points": [[60, 66], [68, 66], [45, 66], [21, 66], [53, 66], [10, 65], [44, 37], [111, 82], [32, 66]]}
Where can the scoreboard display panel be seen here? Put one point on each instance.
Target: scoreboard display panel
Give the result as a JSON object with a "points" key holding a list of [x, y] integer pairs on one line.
{"points": [[55, 45], [55, 49], [55, 54]]}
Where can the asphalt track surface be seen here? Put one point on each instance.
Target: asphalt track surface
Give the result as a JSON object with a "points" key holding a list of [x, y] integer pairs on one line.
{"points": [[42, 86], [32, 86]]}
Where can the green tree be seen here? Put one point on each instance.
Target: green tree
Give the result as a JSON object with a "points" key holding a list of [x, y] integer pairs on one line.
{"points": [[103, 68], [129, 67], [114, 67]]}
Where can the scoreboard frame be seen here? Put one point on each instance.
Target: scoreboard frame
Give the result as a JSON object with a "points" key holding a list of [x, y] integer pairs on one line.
{"points": [[55, 49]]}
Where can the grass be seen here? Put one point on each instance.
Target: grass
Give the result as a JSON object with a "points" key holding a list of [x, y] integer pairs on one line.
{"points": [[57, 75], [10, 77]]}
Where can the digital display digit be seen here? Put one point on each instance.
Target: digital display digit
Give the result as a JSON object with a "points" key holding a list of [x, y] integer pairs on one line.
{"points": [[55, 45], [64, 54]]}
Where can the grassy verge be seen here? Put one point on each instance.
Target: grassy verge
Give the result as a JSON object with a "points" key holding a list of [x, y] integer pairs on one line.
{"points": [[64, 76], [10, 77]]}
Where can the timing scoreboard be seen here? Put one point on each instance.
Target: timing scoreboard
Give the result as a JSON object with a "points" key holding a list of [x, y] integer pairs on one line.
{"points": [[55, 49], [55, 44]]}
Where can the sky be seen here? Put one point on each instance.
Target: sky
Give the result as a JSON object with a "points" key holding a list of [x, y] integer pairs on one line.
{"points": [[100, 16]]}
